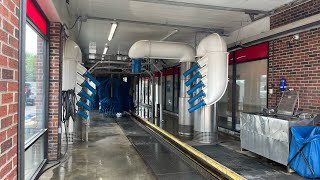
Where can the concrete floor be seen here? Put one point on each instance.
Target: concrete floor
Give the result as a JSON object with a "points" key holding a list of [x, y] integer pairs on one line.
{"points": [[107, 155]]}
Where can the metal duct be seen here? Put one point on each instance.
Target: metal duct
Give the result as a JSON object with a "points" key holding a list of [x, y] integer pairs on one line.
{"points": [[214, 77], [173, 51], [179, 52], [71, 57], [214, 67], [186, 121]]}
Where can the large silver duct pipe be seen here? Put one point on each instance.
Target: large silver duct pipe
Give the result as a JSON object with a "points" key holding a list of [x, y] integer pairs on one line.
{"points": [[206, 128], [213, 64], [186, 121]]}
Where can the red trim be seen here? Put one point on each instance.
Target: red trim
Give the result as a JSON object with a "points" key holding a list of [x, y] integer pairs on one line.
{"points": [[163, 72], [230, 58], [176, 70], [169, 71], [157, 74], [252, 53], [35, 15]]}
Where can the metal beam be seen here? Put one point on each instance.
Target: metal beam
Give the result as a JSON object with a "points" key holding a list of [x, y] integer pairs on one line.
{"points": [[199, 29], [203, 6]]}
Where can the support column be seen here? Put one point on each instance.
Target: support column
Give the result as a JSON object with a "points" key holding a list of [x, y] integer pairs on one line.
{"points": [[54, 91], [205, 128], [185, 118]]}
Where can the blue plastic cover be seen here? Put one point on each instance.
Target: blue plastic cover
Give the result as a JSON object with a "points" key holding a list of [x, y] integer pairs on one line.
{"points": [[306, 138], [136, 66]]}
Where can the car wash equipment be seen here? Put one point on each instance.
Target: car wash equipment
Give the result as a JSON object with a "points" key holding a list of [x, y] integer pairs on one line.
{"points": [[94, 80], [211, 69], [85, 84], [136, 65]]}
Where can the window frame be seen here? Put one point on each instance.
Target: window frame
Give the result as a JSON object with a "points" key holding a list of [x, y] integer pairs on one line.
{"points": [[24, 145], [234, 64]]}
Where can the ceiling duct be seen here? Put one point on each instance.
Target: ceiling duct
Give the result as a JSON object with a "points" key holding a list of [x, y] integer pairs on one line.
{"points": [[173, 52], [179, 52]]}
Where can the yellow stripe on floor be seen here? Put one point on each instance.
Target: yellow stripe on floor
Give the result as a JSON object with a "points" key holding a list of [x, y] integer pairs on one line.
{"points": [[221, 168]]}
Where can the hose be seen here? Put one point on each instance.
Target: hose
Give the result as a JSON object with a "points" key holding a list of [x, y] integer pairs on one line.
{"points": [[68, 110], [68, 105]]}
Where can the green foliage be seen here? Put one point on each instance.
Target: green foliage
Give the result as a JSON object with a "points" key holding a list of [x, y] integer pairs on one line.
{"points": [[31, 60]]}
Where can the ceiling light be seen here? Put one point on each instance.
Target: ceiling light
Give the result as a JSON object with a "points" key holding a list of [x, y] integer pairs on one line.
{"points": [[170, 34], [105, 50], [112, 30]]}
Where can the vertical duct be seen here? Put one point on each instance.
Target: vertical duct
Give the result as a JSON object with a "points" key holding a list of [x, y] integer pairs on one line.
{"points": [[211, 74], [186, 120]]}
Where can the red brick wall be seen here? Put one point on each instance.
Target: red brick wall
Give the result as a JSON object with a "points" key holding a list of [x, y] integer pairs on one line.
{"points": [[300, 65], [9, 27], [53, 150], [290, 14]]}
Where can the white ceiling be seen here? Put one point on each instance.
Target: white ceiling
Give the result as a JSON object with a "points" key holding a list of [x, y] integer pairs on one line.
{"points": [[128, 33]]}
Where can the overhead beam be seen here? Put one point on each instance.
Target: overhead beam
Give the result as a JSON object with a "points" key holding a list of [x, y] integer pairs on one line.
{"points": [[199, 29], [203, 6]]}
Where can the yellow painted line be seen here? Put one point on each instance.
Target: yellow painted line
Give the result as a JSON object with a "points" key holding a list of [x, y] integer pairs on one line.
{"points": [[221, 168]]}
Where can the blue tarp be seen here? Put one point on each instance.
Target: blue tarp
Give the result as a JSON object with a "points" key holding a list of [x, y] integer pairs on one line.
{"points": [[304, 156]]}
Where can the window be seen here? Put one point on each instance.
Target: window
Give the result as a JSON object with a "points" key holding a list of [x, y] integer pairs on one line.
{"points": [[34, 83], [169, 88], [140, 91], [224, 106], [146, 90], [150, 92], [156, 82], [169, 93], [35, 98], [251, 87], [176, 93], [163, 88]]}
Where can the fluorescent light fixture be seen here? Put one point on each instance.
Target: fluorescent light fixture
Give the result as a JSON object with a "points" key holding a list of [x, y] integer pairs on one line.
{"points": [[112, 30], [105, 50], [170, 34]]}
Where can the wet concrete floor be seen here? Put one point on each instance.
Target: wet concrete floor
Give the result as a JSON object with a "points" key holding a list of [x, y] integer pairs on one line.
{"points": [[108, 154]]}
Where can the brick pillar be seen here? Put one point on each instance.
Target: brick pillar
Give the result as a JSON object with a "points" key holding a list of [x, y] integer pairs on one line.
{"points": [[53, 149], [9, 46]]}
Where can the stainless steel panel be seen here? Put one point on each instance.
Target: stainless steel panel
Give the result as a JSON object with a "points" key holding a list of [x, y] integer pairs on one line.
{"points": [[185, 118], [204, 126], [268, 136], [288, 102]]}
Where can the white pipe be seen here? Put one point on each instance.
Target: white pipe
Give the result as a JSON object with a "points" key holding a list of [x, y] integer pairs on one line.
{"points": [[214, 67], [180, 52]]}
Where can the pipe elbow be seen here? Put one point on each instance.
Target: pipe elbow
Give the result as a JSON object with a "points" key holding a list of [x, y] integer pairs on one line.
{"points": [[188, 53], [214, 59], [212, 43], [179, 52], [139, 49]]}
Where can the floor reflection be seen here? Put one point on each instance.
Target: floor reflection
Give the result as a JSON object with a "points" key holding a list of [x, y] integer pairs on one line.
{"points": [[107, 155]]}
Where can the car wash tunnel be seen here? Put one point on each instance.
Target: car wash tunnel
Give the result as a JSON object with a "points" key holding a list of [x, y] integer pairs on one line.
{"points": [[159, 89]]}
